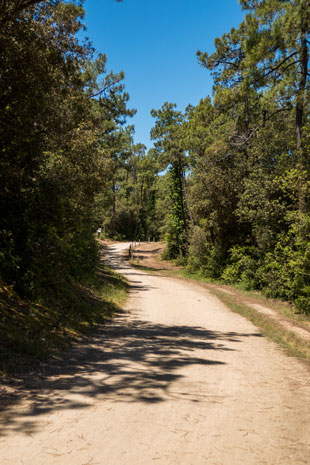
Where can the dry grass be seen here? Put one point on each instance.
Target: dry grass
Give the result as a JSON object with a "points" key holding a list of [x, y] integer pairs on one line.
{"points": [[287, 339], [31, 331]]}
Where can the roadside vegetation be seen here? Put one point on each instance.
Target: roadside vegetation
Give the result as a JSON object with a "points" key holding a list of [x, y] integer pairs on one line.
{"points": [[34, 331], [288, 339], [63, 124]]}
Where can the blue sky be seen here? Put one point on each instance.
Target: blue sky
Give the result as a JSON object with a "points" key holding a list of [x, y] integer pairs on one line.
{"points": [[155, 43]]}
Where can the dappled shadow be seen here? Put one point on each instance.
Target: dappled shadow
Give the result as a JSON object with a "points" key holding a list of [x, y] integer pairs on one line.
{"points": [[120, 264], [112, 257], [125, 361], [145, 268], [135, 287]]}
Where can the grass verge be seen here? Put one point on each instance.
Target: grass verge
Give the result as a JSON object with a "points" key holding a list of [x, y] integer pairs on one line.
{"points": [[288, 340], [31, 331]]}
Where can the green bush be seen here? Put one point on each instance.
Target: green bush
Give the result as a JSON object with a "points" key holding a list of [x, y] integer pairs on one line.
{"points": [[242, 267], [198, 250], [285, 271]]}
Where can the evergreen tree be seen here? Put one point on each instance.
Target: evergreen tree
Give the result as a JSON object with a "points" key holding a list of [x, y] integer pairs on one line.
{"points": [[53, 157], [168, 137]]}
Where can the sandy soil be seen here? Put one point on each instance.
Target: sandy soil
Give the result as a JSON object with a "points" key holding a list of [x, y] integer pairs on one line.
{"points": [[176, 379]]}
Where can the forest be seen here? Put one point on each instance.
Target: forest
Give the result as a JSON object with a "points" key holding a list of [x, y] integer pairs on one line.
{"points": [[226, 185]]}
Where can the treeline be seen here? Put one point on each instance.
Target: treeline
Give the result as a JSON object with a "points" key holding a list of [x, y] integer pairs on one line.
{"points": [[62, 119], [233, 198], [239, 163]]}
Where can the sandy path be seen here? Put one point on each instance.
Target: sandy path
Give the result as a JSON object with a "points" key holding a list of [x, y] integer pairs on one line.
{"points": [[177, 379]]}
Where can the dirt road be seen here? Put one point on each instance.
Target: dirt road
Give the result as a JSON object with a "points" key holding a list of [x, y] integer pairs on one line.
{"points": [[177, 379]]}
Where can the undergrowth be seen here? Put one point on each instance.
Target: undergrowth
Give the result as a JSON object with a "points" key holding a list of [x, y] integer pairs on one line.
{"points": [[31, 331]]}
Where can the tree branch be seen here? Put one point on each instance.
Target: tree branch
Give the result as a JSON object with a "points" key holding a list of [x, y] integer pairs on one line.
{"points": [[8, 11], [222, 62], [100, 92], [280, 64], [244, 141]]}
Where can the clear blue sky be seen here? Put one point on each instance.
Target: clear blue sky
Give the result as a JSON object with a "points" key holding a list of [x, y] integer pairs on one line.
{"points": [[155, 43]]}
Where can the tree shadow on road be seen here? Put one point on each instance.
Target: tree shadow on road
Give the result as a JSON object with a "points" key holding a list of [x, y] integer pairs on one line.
{"points": [[126, 360]]}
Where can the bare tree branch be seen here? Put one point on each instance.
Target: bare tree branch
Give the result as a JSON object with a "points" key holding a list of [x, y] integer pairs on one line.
{"points": [[245, 140], [280, 64], [100, 92]]}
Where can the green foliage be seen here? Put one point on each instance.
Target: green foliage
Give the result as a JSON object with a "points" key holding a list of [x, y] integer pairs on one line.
{"points": [[247, 156], [128, 209], [60, 115], [242, 267], [285, 271], [199, 252], [169, 150]]}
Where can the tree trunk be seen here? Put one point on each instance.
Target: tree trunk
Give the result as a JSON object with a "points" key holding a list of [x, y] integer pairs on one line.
{"points": [[180, 177], [300, 103], [187, 204], [113, 206]]}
